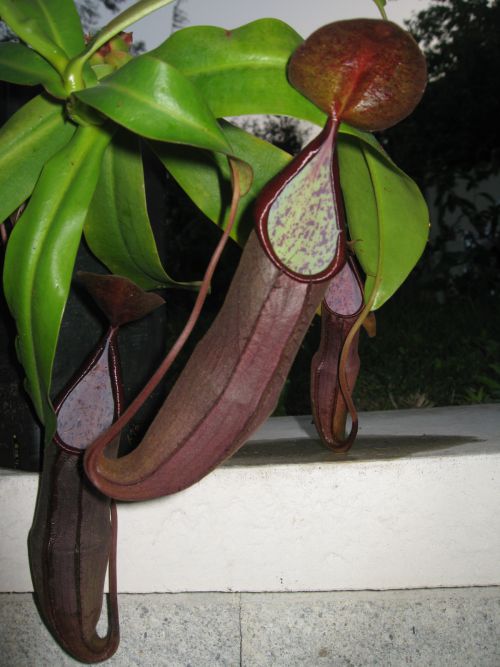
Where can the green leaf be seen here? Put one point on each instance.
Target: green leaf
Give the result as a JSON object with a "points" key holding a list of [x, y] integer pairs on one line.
{"points": [[387, 217], [117, 227], [366, 137], [20, 64], [242, 71], [27, 140], [51, 27], [154, 100], [40, 258], [206, 179]]}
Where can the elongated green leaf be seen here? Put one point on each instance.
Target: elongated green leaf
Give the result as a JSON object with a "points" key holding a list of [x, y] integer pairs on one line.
{"points": [[117, 226], [242, 71], [52, 25], [154, 100], [29, 138], [387, 217], [205, 177], [41, 254], [20, 64]]}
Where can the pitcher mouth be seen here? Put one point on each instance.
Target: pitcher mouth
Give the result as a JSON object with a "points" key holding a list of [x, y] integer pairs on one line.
{"points": [[299, 214]]}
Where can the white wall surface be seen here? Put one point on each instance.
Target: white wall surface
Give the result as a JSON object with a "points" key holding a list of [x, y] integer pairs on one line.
{"points": [[416, 504]]}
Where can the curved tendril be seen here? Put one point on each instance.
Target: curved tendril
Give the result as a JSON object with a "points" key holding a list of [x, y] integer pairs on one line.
{"points": [[97, 447], [344, 445]]}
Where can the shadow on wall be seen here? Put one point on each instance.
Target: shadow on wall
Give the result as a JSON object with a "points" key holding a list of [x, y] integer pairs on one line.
{"points": [[368, 448]]}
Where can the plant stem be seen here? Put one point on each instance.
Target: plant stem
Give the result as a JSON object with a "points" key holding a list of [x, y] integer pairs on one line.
{"points": [[381, 7], [73, 75], [103, 440]]}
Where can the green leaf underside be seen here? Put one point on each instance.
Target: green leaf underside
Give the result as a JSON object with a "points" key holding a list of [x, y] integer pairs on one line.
{"points": [[27, 140], [37, 283], [42, 23], [242, 71], [365, 137], [206, 179], [154, 100], [117, 227], [302, 224], [387, 217], [21, 65], [217, 68]]}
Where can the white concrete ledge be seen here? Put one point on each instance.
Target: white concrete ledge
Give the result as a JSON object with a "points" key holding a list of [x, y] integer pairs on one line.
{"points": [[416, 504]]}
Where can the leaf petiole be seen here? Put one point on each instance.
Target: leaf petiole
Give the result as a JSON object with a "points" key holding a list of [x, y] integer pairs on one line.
{"points": [[381, 7], [73, 75]]}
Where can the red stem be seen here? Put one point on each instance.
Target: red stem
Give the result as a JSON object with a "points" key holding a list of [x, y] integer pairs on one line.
{"points": [[103, 440]]}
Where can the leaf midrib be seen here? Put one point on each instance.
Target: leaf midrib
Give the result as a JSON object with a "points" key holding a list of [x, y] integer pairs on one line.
{"points": [[270, 63], [152, 104], [54, 32], [116, 179], [30, 137], [42, 69], [58, 203]]}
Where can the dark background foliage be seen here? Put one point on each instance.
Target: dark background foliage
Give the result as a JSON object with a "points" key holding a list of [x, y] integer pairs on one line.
{"points": [[438, 338], [451, 144]]}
